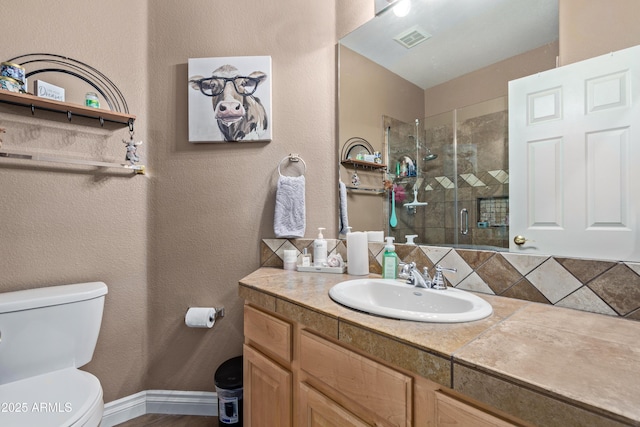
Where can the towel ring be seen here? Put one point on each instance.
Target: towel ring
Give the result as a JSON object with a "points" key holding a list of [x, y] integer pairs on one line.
{"points": [[293, 158]]}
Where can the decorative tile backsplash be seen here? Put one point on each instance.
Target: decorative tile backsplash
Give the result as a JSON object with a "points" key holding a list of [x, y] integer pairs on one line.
{"points": [[606, 287]]}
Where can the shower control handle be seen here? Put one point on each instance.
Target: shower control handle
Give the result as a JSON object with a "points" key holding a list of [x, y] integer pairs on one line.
{"points": [[464, 221]]}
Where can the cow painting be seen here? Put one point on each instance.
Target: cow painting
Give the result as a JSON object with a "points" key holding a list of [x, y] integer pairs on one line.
{"points": [[237, 112]]}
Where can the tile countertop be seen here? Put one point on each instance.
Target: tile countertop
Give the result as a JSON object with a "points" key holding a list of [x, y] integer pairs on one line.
{"points": [[589, 360]]}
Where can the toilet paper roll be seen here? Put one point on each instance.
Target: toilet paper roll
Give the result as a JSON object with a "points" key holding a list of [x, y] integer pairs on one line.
{"points": [[200, 317]]}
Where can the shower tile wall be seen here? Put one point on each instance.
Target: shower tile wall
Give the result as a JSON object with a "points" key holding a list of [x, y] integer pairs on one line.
{"points": [[482, 173]]}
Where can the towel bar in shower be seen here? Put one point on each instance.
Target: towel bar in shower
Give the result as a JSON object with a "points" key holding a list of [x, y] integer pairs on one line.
{"points": [[371, 190]]}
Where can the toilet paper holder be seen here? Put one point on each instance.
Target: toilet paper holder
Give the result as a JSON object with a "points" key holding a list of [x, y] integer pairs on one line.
{"points": [[219, 312], [203, 317]]}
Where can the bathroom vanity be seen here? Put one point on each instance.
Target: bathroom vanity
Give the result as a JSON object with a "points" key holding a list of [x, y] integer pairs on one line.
{"points": [[310, 361]]}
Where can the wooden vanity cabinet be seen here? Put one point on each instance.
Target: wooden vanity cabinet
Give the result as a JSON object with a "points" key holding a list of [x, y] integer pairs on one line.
{"points": [[268, 379], [296, 377]]}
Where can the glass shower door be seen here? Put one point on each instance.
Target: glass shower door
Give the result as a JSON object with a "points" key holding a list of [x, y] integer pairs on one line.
{"points": [[482, 157], [461, 171], [403, 174]]}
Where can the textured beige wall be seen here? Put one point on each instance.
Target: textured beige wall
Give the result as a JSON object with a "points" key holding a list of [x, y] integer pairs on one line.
{"points": [[212, 203], [489, 82], [596, 27], [188, 231], [367, 92], [59, 226]]}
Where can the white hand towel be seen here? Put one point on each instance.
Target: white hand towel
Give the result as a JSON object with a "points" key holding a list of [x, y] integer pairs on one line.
{"points": [[289, 220], [344, 217]]}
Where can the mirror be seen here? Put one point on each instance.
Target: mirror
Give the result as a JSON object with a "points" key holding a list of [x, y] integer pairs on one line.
{"points": [[438, 61]]}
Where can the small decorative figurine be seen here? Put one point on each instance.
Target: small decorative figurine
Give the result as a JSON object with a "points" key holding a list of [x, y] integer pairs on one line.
{"points": [[355, 179], [132, 148]]}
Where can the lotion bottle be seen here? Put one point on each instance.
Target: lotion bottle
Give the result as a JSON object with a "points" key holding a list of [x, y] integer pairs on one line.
{"points": [[319, 249], [390, 260]]}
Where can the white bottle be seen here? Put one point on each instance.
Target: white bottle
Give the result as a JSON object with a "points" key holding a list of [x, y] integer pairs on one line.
{"points": [[319, 249]]}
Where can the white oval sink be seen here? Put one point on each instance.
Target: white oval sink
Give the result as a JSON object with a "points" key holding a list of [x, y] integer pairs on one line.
{"points": [[398, 300]]}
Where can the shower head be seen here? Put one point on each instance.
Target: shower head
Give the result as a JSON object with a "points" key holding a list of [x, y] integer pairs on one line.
{"points": [[430, 156]]}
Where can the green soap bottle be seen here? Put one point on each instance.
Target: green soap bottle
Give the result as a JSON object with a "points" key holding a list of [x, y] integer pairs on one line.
{"points": [[390, 260]]}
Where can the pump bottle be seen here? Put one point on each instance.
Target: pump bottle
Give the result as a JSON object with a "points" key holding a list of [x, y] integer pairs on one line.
{"points": [[319, 249], [390, 260]]}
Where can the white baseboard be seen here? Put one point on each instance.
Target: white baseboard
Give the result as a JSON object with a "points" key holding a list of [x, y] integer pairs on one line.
{"points": [[160, 402]]}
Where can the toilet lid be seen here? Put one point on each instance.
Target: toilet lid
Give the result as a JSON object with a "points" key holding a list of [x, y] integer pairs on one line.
{"points": [[59, 398]]}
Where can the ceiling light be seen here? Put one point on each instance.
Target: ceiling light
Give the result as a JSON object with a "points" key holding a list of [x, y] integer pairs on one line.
{"points": [[402, 8]]}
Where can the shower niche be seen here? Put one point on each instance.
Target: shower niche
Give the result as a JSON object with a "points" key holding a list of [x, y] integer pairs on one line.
{"points": [[448, 178]]}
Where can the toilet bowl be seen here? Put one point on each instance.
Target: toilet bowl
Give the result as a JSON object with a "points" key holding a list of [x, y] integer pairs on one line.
{"points": [[45, 335], [67, 397]]}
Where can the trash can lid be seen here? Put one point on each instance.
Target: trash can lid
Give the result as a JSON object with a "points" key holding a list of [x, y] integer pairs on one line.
{"points": [[228, 376]]}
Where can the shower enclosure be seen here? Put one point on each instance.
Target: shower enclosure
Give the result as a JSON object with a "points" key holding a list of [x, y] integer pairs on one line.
{"points": [[449, 177]]}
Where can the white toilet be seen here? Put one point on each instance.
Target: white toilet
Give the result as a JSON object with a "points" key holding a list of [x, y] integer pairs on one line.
{"points": [[46, 334]]}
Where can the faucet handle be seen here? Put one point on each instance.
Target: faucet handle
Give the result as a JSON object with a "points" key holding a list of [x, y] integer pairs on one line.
{"points": [[438, 280], [427, 279], [405, 269]]}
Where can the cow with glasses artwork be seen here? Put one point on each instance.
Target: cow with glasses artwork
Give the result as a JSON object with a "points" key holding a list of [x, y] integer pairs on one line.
{"points": [[229, 96]]}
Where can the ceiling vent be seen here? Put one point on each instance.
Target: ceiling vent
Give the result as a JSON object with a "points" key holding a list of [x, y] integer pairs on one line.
{"points": [[412, 37]]}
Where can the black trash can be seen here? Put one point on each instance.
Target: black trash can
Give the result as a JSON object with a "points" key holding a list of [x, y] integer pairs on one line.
{"points": [[228, 380]]}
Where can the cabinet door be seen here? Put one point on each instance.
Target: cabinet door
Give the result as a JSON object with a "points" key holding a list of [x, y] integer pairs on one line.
{"points": [[385, 393], [267, 391], [454, 413], [317, 410]]}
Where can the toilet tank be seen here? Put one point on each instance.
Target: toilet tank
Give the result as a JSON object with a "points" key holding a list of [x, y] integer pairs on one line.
{"points": [[46, 329]]}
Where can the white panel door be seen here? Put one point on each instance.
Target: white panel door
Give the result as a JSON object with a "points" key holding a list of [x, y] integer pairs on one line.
{"points": [[574, 159]]}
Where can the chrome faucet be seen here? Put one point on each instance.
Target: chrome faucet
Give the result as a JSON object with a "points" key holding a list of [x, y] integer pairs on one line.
{"points": [[410, 273], [414, 277]]}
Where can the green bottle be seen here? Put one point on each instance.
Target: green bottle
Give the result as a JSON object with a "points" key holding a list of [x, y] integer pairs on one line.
{"points": [[390, 260]]}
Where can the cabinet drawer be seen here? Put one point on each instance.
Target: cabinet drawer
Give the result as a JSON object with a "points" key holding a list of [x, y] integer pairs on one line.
{"points": [[452, 412], [383, 391], [270, 334]]}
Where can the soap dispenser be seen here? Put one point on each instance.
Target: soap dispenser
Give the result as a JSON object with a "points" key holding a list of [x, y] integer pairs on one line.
{"points": [[390, 260], [319, 249]]}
